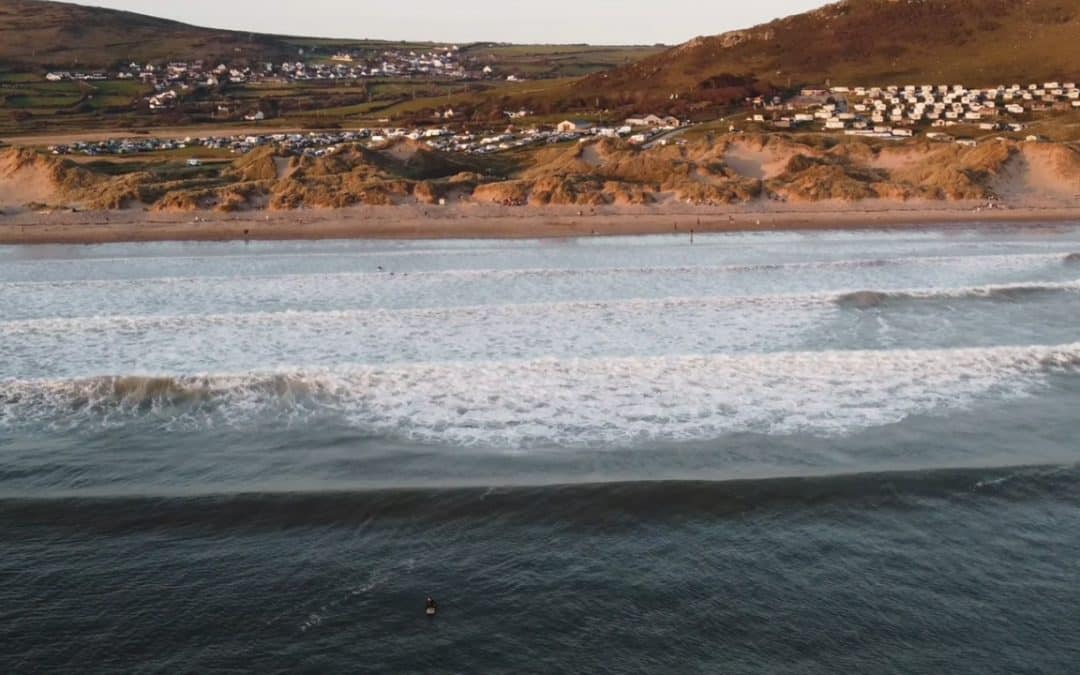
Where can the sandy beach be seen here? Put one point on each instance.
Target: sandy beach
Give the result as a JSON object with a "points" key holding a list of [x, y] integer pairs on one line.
{"points": [[738, 183], [481, 221]]}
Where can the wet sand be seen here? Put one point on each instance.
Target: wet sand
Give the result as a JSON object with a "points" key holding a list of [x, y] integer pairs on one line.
{"points": [[476, 222]]}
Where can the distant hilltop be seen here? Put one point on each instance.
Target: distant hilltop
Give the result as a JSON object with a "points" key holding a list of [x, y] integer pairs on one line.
{"points": [[36, 33], [981, 42], [863, 42], [47, 35]]}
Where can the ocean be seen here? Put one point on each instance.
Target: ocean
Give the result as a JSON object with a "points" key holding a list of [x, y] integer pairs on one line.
{"points": [[750, 453]]}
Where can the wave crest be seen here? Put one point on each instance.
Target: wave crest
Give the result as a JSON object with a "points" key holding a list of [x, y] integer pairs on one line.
{"points": [[869, 299], [560, 403]]}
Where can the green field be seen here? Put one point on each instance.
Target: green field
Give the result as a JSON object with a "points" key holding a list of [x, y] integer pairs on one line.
{"points": [[29, 104], [40, 37], [555, 61], [32, 105]]}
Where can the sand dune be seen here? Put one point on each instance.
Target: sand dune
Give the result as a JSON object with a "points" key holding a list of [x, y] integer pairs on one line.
{"points": [[24, 181], [736, 173], [1040, 174]]}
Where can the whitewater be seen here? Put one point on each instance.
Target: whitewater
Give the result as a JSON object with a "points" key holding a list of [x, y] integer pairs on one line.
{"points": [[539, 354], [754, 453]]}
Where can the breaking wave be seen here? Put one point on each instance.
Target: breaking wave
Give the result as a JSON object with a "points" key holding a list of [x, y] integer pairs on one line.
{"points": [[559, 403], [864, 299], [1002, 292]]}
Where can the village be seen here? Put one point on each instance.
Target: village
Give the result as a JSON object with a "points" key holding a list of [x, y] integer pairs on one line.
{"points": [[882, 112], [637, 130], [172, 81], [943, 112], [438, 63], [899, 112]]}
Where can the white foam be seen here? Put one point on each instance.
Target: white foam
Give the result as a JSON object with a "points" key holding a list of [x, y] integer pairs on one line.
{"points": [[185, 343], [775, 301], [515, 405], [440, 289], [987, 262], [180, 344]]}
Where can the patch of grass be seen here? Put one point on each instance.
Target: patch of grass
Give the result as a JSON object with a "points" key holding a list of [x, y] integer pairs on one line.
{"points": [[19, 78], [129, 88], [41, 103], [559, 60]]}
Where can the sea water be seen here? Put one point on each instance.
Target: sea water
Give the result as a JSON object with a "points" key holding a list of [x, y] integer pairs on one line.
{"points": [[766, 452]]}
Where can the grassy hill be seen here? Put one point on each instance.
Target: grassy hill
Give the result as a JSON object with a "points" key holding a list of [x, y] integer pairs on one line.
{"points": [[37, 35], [34, 33], [976, 42]]}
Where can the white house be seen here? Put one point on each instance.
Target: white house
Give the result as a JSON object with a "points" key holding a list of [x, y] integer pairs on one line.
{"points": [[163, 100], [573, 126], [643, 121], [653, 121]]}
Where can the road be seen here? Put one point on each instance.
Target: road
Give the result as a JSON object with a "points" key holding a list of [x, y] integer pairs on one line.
{"points": [[667, 136]]}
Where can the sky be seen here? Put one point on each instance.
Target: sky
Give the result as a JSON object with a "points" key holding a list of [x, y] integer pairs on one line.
{"points": [[551, 21]]}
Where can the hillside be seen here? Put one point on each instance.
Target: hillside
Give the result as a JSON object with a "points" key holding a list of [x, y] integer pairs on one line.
{"points": [[41, 34], [977, 42], [35, 33]]}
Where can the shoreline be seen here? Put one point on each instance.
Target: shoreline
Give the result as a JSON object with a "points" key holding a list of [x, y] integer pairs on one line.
{"points": [[483, 222]]}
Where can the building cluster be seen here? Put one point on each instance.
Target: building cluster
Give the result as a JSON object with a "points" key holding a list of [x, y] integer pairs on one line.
{"points": [[313, 143], [172, 80], [898, 112], [172, 75], [76, 76], [318, 143], [637, 131], [440, 63]]}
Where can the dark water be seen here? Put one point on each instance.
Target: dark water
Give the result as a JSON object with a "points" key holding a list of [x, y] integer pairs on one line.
{"points": [[949, 571], [763, 454]]}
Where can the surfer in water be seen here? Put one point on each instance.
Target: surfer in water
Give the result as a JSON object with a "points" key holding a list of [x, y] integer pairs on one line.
{"points": [[430, 607]]}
